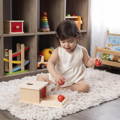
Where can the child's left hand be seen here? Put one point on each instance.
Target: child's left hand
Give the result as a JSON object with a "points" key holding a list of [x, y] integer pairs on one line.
{"points": [[98, 62], [91, 62], [95, 62]]}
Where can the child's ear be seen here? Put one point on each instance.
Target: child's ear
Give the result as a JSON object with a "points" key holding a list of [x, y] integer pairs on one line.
{"points": [[78, 40], [57, 43]]}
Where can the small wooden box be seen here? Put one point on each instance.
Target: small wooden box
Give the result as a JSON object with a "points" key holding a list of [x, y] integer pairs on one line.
{"points": [[14, 26], [33, 91]]}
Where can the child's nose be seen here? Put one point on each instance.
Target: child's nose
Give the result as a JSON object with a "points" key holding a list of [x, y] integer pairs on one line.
{"points": [[66, 44]]}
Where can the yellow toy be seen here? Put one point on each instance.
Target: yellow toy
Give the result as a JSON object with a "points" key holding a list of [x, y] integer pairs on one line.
{"points": [[47, 52]]}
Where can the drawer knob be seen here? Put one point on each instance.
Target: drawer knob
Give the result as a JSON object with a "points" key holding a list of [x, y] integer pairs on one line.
{"points": [[17, 27]]}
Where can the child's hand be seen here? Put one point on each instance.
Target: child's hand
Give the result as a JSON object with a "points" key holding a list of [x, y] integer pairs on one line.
{"points": [[91, 62], [60, 80], [94, 62], [98, 62]]}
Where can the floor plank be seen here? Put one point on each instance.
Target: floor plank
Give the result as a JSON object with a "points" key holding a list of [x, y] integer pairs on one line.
{"points": [[107, 111], [5, 115]]}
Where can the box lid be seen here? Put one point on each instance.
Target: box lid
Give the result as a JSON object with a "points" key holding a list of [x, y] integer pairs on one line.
{"points": [[15, 20], [34, 84]]}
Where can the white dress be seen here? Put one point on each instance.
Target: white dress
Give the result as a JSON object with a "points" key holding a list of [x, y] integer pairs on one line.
{"points": [[70, 65]]}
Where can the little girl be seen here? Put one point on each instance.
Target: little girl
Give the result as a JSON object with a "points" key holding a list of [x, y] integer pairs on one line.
{"points": [[67, 63]]}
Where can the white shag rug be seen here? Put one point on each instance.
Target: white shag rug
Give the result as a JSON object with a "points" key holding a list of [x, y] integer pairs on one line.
{"points": [[104, 87]]}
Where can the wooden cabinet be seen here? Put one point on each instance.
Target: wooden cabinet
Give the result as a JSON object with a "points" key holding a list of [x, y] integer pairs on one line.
{"points": [[30, 12]]}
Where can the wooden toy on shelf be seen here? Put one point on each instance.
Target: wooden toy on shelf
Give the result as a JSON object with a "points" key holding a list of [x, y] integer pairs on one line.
{"points": [[44, 55], [77, 19], [44, 26], [14, 26], [106, 51], [41, 64], [35, 92], [47, 52], [20, 55], [110, 55]]}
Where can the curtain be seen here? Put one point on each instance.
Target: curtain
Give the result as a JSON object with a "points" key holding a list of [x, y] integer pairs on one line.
{"points": [[104, 16]]}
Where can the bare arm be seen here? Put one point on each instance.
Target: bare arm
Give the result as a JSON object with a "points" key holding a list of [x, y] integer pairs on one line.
{"points": [[51, 66], [87, 60], [52, 62]]}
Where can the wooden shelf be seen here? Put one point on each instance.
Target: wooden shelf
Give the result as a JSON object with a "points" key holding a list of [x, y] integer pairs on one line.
{"points": [[83, 31], [23, 34], [46, 33], [30, 12], [111, 63], [29, 73]]}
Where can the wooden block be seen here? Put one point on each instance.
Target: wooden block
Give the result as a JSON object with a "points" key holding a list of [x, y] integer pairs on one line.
{"points": [[14, 26], [18, 48], [29, 96], [10, 61], [30, 92], [6, 64], [22, 57]]}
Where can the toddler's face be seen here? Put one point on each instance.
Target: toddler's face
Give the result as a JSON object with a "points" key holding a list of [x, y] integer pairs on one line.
{"points": [[69, 44]]}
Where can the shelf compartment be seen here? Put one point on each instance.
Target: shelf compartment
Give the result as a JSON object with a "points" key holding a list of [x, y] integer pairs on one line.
{"points": [[55, 12], [10, 43], [46, 43], [77, 9], [21, 10]]}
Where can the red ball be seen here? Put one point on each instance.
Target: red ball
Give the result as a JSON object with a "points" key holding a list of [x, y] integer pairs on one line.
{"points": [[97, 62], [61, 98], [61, 82]]}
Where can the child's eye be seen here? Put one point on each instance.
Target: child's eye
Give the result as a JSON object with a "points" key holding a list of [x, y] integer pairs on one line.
{"points": [[70, 41], [63, 42]]}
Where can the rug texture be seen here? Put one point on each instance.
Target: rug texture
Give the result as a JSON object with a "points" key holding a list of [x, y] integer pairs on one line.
{"points": [[104, 87]]}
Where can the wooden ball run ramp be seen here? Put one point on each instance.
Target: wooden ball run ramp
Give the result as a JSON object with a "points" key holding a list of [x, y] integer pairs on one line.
{"points": [[20, 59]]}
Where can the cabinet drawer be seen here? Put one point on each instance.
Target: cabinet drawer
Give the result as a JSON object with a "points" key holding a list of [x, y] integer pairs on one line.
{"points": [[13, 27]]}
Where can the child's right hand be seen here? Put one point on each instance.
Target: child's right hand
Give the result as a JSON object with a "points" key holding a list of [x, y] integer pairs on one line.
{"points": [[60, 80]]}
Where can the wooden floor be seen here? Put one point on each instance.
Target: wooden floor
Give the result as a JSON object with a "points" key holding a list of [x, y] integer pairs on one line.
{"points": [[106, 111]]}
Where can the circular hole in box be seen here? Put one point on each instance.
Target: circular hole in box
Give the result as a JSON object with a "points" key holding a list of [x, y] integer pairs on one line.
{"points": [[29, 83]]}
